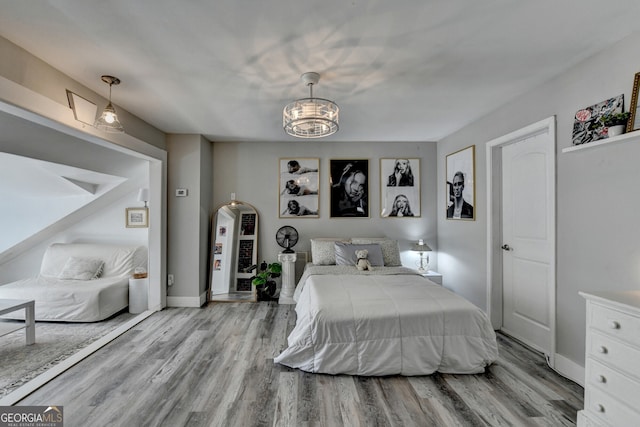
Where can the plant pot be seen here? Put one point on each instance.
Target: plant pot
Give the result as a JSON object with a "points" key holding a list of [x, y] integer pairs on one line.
{"points": [[615, 130], [265, 292]]}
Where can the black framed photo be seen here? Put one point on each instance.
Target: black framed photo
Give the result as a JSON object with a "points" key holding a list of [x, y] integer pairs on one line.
{"points": [[461, 184], [349, 181], [399, 188], [298, 190]]}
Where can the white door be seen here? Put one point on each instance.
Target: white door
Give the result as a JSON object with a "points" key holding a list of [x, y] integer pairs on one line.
{"points": [[528, 240]]}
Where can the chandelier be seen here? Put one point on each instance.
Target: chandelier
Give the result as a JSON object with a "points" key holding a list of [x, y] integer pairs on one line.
{"points": [[310, 117]]}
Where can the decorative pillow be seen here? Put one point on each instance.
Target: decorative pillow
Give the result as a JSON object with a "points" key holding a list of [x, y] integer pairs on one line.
{"points": [[346, 253], [77, 268], [323, 250], [390, 249]]}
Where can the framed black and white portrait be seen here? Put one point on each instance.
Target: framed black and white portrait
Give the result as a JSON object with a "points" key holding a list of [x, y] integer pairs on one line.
{"points": [[399, 188], [298, 189], [461, 184], [349, 180]]}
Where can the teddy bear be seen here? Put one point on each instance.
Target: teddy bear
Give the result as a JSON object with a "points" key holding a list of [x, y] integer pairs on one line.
{"points": [[362, 263]]}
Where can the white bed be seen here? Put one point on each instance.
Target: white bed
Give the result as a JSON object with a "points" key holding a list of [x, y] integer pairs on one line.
{"points": [[60, 296], [384, 322]]}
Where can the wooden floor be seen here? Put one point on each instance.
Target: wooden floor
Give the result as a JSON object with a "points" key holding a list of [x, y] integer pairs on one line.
{"points": [[213, 367]]}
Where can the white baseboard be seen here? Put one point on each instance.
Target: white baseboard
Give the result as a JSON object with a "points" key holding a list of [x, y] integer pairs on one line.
{"points": [[187, 301], [569, 369]]}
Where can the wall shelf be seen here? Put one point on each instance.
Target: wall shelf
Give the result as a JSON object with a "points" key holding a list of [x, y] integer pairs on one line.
{"points": [[619, 138]]}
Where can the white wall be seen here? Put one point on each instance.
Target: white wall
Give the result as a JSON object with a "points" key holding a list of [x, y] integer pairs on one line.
{"points": [[251, 170], [597, 233], [107, 226]]}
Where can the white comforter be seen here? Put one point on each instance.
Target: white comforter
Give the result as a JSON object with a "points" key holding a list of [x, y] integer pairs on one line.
{"points": [[388, 321], [69, 300]]}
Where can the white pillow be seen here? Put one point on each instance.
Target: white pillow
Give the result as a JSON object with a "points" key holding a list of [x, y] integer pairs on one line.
{"points": [[77, 268], [323, 250], [390, 249], [346, 254]]}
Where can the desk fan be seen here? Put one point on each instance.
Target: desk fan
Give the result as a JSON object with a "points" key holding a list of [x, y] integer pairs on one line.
{"points": [[287, 237]]}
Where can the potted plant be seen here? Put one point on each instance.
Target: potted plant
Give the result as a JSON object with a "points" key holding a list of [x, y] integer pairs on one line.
{"points": [[263, 281], [615, 123]]}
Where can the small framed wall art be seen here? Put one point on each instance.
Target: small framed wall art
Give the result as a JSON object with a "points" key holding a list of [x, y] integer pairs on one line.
{"points": [[137, 217], [298, 188], [461, 184], [399, 188]]}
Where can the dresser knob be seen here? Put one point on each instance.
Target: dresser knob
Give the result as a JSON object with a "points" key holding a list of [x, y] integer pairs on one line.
{"points": [[614, 324], [602, 379], [603, 349], [600, 408]]}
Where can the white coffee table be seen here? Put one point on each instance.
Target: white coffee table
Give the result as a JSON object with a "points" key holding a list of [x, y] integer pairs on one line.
{"points": [[9, 305]]}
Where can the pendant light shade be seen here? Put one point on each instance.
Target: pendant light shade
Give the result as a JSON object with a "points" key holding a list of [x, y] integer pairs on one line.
{"points": [[108, 120], [310, 117]]}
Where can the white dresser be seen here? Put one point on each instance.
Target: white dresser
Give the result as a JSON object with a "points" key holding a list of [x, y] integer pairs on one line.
{"points": [[612, 362]]}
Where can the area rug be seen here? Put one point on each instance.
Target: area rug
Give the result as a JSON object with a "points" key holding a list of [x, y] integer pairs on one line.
{"points": [[55, 341]]}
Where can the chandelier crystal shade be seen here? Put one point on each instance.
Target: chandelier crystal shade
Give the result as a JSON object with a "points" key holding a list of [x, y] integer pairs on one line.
{"points": [[108, 120], [311, 117]]}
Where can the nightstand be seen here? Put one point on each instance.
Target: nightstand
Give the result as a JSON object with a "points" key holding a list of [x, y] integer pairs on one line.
{"points": [[138, 295], [434, 276]]}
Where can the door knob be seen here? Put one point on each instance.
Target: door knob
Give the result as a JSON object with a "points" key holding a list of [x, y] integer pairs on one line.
{"points": [[506, 247]]}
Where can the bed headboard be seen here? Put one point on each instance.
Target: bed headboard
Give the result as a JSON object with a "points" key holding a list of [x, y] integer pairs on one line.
{"points": [[119, 260], [323, 249]]}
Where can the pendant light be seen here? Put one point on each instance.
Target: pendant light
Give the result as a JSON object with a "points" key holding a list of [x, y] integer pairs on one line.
{"points": [[310, 117], [108, 121]]}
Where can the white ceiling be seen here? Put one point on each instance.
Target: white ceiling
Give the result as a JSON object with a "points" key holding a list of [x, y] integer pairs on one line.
{"points": [[403, 70]]}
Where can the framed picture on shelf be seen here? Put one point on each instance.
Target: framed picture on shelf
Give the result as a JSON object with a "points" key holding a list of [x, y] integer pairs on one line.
{"points": [[634, 118], [137, 217], [298, 188], [399, 187], [349, 181], [461, 184], [587, 126]]}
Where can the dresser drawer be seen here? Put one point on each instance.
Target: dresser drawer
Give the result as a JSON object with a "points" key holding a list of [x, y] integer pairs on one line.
{"points": [[608, 409], [615, 323], [613, 383], [613, 353]]}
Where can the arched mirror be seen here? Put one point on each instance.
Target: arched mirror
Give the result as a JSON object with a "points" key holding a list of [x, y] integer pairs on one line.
{"points": [[234, 252]]}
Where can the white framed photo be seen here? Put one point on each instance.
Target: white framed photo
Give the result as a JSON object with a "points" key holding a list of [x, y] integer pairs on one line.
{"points": [[298, 188], [400, 188], [137, 217]]}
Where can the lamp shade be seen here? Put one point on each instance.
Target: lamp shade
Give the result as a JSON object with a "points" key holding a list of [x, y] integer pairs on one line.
{"points": [[421, 246], [143, 195], [108, 121]]}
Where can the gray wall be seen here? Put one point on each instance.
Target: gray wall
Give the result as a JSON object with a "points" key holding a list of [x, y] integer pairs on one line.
{"points": [[251, 171], [189, 167], [597, 232], [19, 66]]}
